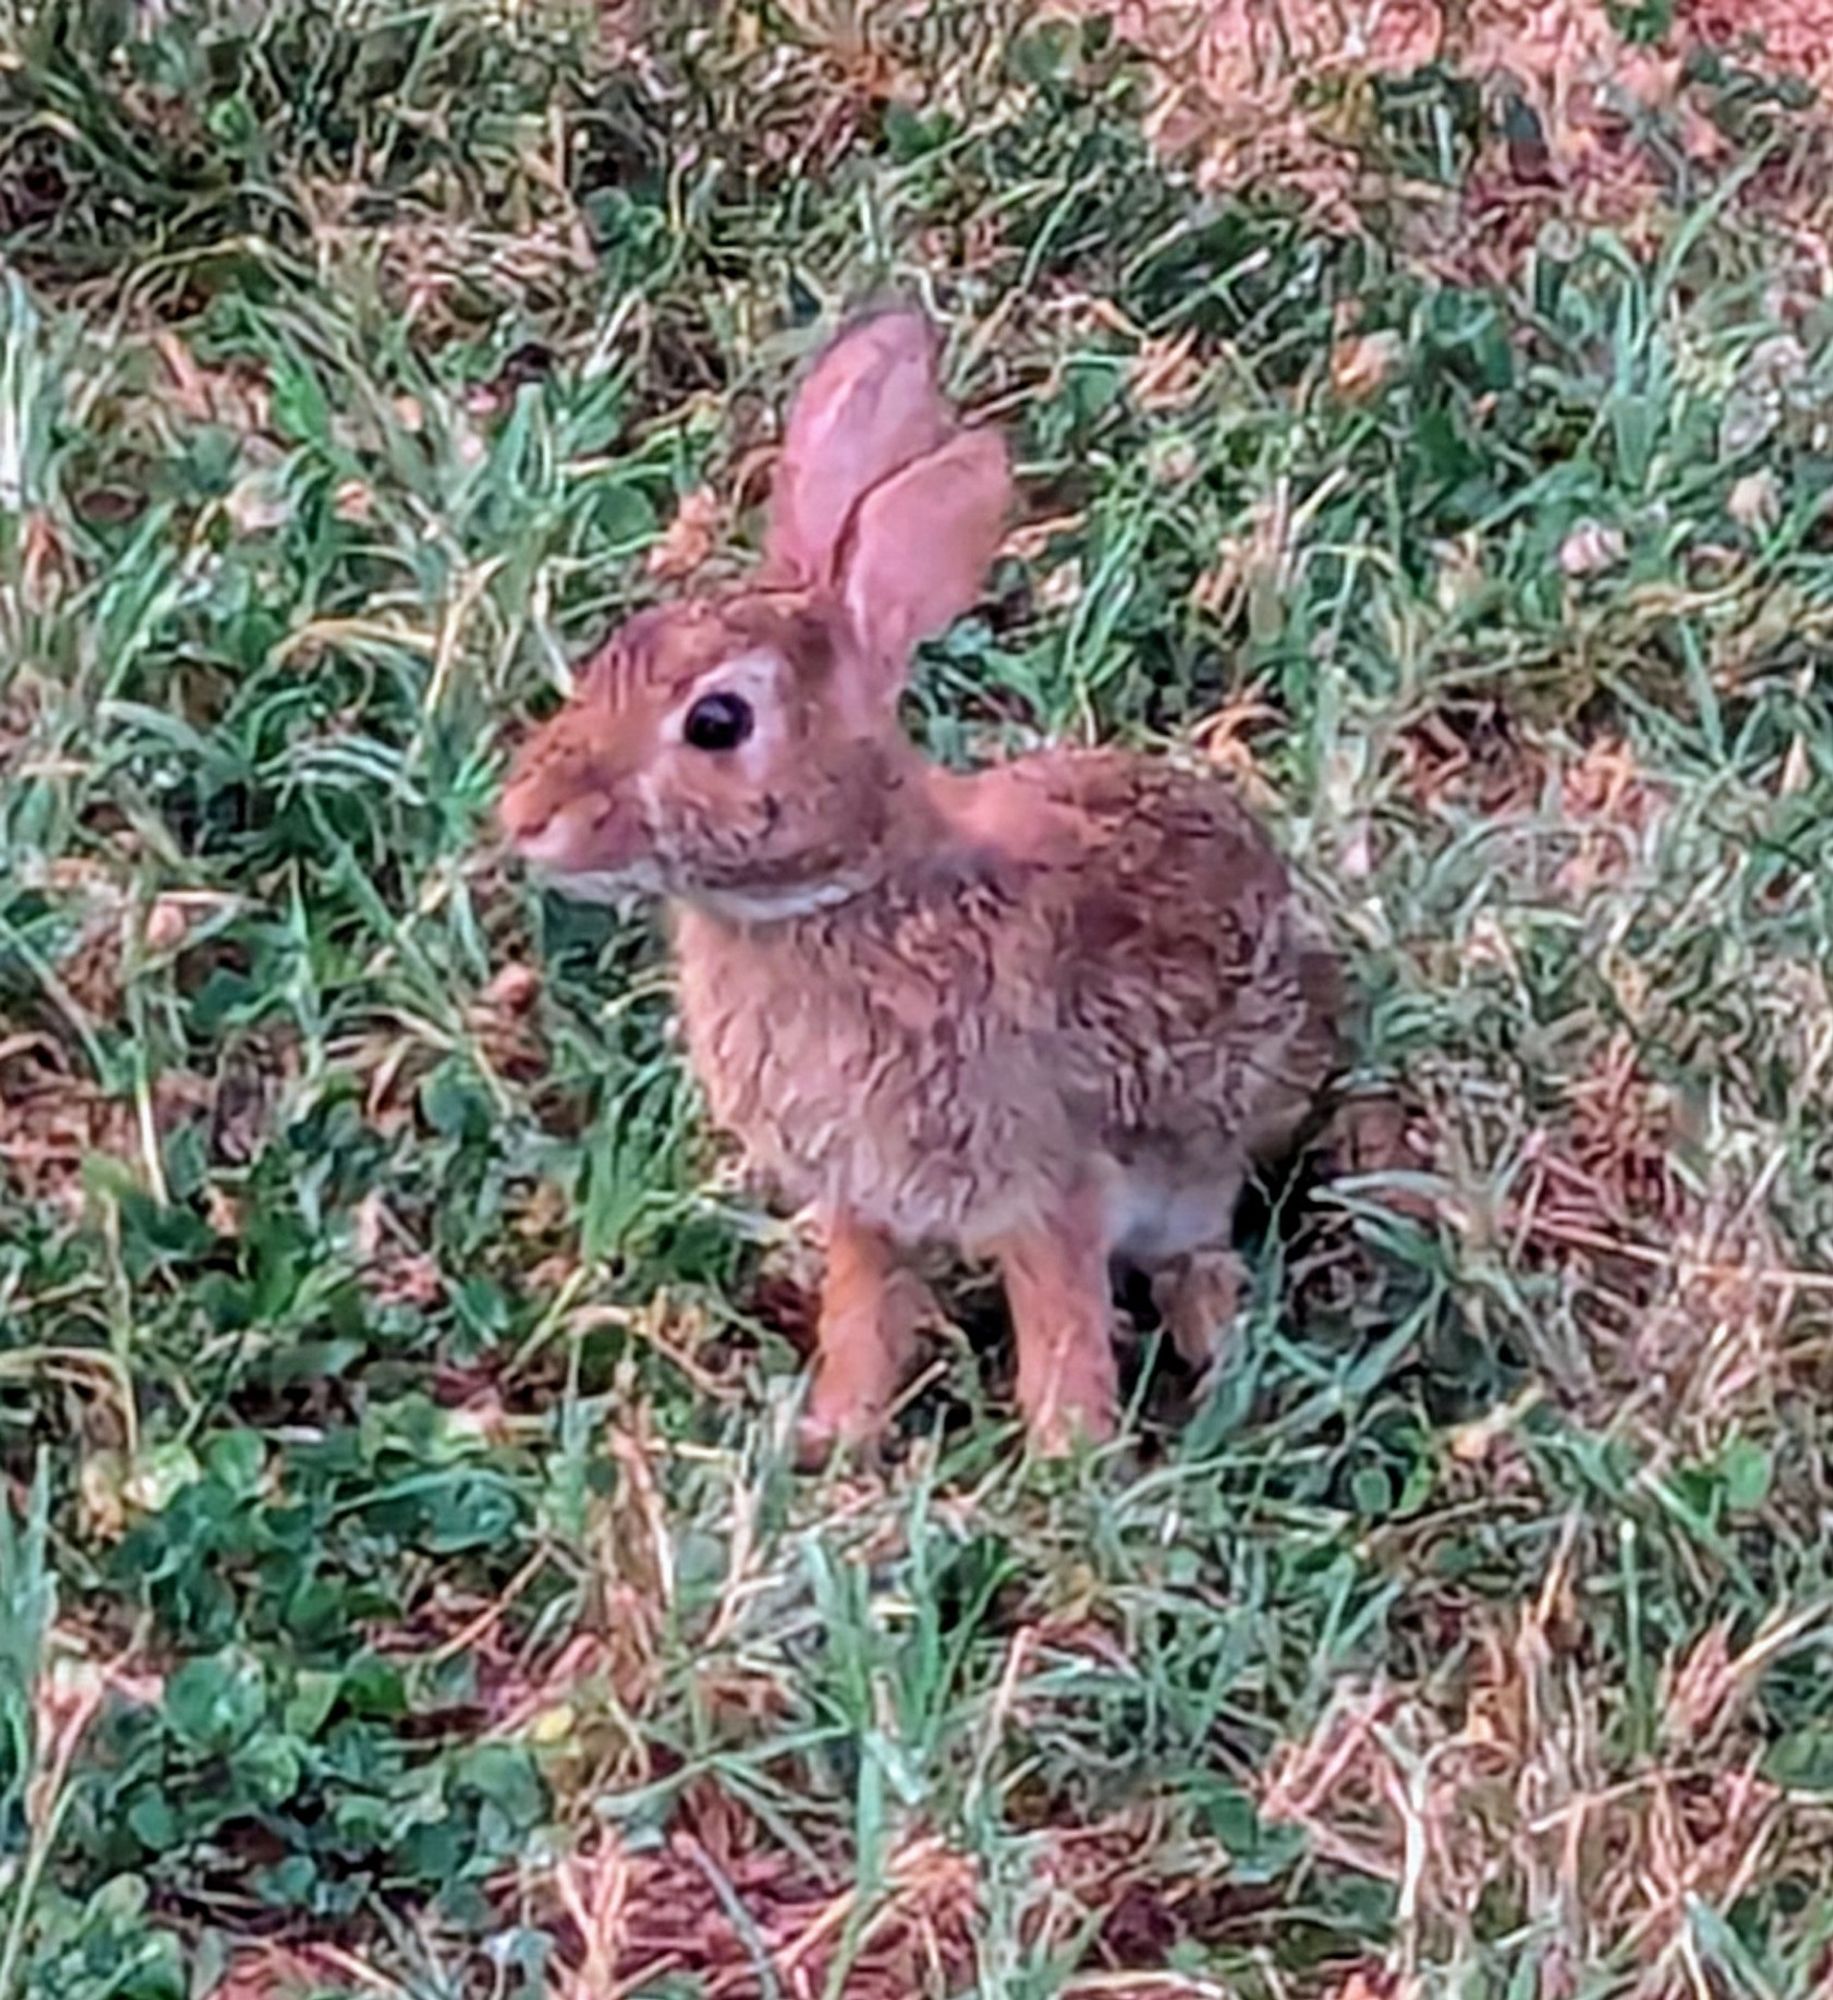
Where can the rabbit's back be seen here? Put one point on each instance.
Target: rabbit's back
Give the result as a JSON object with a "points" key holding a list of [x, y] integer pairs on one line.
{"points": [[1194, 997]]}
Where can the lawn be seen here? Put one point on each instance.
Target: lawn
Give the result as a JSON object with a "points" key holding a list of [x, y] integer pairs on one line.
{"points": [[405, 1586]]}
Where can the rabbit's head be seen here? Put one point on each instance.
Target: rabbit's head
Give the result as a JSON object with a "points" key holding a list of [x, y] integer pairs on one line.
{"points": [[743, 751]]}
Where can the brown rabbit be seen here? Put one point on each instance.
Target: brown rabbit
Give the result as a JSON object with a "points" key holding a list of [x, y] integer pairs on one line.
{"points": [[1050, 1012]]}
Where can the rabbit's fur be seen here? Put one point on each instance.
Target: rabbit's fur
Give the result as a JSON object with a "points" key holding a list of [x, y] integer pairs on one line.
{"points": [[1050, 1012]]}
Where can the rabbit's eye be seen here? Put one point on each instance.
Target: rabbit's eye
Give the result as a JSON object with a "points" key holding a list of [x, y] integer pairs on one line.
{"points": [[718, 722]]}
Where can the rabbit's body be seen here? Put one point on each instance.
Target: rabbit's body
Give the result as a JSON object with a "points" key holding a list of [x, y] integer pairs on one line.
{"points": [[1089, 963], [1049, 1012]]}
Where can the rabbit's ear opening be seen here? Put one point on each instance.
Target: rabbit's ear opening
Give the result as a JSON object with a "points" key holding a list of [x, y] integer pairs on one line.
{"points": [[917, 552], [868, 407]]}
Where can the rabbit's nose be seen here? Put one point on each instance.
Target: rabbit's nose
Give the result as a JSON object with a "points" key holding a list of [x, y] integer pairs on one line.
{"points": [[581, 831], [548, 830], [523, 813], [554, 842], [541, 794]]}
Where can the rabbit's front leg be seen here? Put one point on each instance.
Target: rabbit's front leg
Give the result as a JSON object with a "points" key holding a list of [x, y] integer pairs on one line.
{"points": [[871, 1309], [1056, 1279]]}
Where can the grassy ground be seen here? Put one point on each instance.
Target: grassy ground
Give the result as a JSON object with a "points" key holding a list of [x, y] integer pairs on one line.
{"points": [[406, 1591]]}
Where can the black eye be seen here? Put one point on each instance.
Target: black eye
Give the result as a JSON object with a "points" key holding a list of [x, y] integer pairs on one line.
{"points": [[718, 722]]}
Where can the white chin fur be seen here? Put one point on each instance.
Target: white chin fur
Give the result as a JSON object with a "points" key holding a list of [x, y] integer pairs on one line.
{"points": [[622, 890], [628, 887], [768, 906]]}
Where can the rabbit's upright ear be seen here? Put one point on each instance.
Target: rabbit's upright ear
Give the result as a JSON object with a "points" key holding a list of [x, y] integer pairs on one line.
{"points": [[916, 554], [867, 408]]}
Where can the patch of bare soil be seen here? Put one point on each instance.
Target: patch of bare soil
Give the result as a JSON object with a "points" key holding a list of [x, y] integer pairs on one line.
{"points": [[725, 1905]]}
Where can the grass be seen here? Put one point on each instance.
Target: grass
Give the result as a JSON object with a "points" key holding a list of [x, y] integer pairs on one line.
{"points": [[406, 1589]]}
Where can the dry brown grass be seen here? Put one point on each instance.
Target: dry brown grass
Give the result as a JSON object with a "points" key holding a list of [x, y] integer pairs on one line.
{"points": [[1256, 95], [1503, 1794]]}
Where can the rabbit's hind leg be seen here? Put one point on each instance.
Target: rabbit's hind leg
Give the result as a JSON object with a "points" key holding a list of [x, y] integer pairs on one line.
{"points": [[1176, 1220], [1198, 1295]]}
